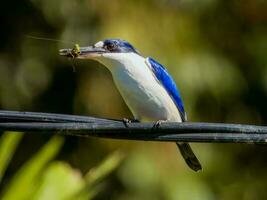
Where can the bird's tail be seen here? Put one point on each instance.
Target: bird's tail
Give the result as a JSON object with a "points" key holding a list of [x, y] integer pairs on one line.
{"points": [[189, 156]]}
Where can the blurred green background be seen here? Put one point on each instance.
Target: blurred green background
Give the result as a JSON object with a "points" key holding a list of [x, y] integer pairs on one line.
{"points": [[217, 53]]}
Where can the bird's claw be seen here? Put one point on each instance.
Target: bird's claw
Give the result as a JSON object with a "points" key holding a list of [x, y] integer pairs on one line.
{"points": [[126, 121], [158, 123]]}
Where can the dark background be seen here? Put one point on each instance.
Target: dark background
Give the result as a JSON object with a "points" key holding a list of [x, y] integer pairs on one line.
{"points": [[215, 50]]}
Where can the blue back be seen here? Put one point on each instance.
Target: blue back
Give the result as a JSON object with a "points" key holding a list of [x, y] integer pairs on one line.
{"points": [[168, 83]]}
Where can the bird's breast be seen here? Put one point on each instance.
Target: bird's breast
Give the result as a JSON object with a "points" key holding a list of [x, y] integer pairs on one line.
{"points": [[144, 95]]}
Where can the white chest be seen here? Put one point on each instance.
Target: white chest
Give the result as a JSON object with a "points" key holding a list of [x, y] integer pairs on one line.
{"points": [[144, 95]]}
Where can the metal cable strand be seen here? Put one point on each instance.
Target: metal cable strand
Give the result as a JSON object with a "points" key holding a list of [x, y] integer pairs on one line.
{"points": [[106, 128]]}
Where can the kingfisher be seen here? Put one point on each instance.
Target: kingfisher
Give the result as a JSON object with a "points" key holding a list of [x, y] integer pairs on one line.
{"points": [[145, 85]]}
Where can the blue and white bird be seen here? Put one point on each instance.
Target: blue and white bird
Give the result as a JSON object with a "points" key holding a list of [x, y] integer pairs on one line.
{"points": [[145, 85]]}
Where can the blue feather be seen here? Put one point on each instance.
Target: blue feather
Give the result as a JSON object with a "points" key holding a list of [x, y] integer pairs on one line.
{"points": [[122, 45], [168, 83]]}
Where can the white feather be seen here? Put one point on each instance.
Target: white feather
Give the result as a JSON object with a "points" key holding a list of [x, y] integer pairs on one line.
{"points": [[145, 96], [99, 44]]}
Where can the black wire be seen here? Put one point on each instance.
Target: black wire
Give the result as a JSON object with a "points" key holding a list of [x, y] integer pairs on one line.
{"points": [[106, 128], [17, 116]]}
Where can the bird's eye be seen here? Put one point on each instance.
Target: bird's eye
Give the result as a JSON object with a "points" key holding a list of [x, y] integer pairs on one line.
{"points": [[111, 46]]}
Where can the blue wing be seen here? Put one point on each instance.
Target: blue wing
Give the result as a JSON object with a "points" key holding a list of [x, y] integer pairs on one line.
{"points": [[168, 83]]}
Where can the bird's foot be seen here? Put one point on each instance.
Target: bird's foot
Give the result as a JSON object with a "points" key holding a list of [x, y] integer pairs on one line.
{"points": [[158, 123], [126, 121]]}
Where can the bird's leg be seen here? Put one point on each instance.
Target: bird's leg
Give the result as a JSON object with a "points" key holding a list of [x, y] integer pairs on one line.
{"points": [[158, 123], [126, 121]]}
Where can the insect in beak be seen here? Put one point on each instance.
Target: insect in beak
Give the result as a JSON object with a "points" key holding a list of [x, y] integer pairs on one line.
{"points": [[75, 52]]}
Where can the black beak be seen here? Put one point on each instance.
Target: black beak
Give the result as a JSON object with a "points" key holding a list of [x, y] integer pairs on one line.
{"points": [[82, 52]]}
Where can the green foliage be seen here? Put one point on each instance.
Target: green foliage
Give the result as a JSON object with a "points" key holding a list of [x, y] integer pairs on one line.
{"points": [[41, 178], [8, 145], [26, 180], [59, 181], [96, 175]]}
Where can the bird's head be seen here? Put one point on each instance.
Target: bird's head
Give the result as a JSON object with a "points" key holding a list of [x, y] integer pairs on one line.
{"points": [[106, 51]]}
